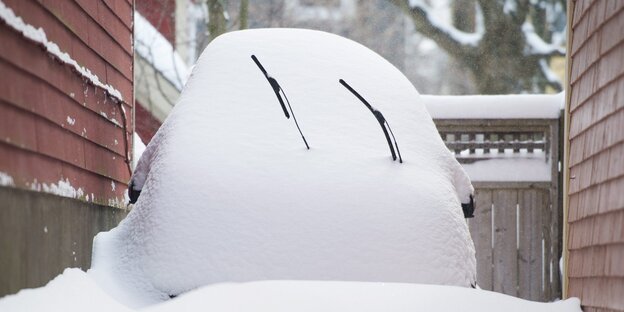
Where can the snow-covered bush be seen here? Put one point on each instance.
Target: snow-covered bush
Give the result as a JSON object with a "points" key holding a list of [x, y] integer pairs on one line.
{"points": [[230, 193]]}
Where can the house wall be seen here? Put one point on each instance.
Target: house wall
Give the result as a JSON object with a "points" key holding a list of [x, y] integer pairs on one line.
{"points": [[42, 234], [146, 124], [161, 14], [596, 155], [155, 95], [59, 133], [54, 124]]}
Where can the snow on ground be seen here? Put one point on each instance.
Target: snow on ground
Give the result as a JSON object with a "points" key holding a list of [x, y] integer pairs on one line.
{"points": [[75, 290], [516, 106], [231, 194], [353, 296], [156, 49]]}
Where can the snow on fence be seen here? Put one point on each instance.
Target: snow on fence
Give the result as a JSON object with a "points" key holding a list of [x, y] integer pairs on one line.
{"points": [[511, 152]]}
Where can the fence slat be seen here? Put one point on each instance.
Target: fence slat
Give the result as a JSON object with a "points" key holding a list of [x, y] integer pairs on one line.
{"points": [[530, 251], [556, 198], [505, 254], [481, 232], [546, 226], [556, 218]]}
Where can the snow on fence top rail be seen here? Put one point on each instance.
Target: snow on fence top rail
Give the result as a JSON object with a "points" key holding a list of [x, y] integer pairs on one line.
{"points": [[516, 106]]}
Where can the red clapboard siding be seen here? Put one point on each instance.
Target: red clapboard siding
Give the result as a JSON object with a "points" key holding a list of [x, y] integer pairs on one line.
{"points": [[18, 127], [596, 162], [34, 133], [26, 167], [22, 60], [39, 97], [111, 21], [65, 20], [54, 124]]}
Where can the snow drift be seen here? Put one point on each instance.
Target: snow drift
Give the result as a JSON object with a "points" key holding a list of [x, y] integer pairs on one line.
{"points": [[231, 194], [74, 290]]}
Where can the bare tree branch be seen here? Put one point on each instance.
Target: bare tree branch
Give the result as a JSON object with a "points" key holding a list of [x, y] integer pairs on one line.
{"points": [[510, 54], [423, 25], [522, 10], [548, 76], [553, 53], [491, 11]]}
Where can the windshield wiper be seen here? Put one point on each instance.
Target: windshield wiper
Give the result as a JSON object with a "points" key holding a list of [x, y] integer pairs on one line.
{"points": [[277, 88], [382, 122]]}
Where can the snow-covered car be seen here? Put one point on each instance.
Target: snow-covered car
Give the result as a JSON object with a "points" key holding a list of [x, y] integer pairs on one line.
{"points": [[235, 213], [230, 192]]}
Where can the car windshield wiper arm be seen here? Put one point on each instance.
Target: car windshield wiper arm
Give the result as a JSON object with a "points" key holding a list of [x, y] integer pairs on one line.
{"points": [[382, 122], [277, 88]]}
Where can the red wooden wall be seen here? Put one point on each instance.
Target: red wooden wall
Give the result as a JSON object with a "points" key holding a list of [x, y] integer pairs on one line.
{"points": [[39, 95], [161, 14]]}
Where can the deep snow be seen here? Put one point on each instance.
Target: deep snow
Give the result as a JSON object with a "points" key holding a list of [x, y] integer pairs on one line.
{"points": [[230, 193], [75, 290]]}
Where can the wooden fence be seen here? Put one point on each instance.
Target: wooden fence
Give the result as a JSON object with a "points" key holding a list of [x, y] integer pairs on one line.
{"points": [[517, 225]]}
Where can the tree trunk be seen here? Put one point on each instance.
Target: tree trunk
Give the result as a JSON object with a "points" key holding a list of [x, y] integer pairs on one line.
{"points": [[244, 14], [464, 15], [216, 19], [500, 66]]}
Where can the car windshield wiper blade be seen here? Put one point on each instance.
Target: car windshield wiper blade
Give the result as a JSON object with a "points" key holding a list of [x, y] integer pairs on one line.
{"points": [[277, 88], [382, 122]]}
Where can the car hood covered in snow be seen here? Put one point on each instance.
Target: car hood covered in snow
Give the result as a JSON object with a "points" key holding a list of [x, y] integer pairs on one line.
{"points": [[75, 290], [231, 194]]}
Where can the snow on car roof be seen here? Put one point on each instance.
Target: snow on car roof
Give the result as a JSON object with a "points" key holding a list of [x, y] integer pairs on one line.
{"points": [[230, 193]]}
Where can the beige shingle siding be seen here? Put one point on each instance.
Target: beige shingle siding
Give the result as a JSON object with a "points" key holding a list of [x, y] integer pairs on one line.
{"points": [[596, 133]]}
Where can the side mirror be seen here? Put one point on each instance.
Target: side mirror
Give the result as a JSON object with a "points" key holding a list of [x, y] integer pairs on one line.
{"points": [[469, 208]]}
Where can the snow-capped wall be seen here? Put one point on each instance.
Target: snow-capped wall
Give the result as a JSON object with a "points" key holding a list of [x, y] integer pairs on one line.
{"points": [[510, 106], [230, 193]]}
